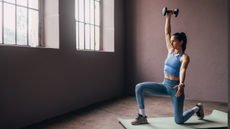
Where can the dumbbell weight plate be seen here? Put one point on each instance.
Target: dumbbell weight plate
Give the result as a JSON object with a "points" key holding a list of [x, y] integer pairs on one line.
{"points": [[176, 11], [164, 11]]}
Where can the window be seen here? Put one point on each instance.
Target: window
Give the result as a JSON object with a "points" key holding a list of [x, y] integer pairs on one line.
{"points": [[94, 25], [20, 22], [87, 15]]}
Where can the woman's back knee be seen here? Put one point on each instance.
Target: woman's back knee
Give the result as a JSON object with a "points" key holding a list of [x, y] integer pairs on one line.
{"points": [[179, 121]]}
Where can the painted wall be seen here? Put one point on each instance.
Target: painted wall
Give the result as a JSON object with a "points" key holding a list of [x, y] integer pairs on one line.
{"points": [[37, 84], [203, 21]]}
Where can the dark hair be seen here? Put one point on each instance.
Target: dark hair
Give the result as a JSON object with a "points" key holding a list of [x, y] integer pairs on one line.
{"points": [[181, 36]]}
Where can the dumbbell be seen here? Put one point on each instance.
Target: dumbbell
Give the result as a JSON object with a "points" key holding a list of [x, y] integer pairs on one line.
{"points": [[165, 10]]}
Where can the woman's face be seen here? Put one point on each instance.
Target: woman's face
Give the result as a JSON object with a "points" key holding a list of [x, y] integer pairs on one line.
{"points": [[175, 42]]}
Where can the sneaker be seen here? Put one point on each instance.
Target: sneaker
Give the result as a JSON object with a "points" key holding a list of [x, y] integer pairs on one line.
{"points": [[200, 113], [140, 120]]}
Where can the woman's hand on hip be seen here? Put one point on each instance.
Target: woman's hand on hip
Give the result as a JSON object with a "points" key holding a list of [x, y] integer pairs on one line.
{"points": [[179, 91]]}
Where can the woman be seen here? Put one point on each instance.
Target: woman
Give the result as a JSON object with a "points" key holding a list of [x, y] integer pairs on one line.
{"points": [[174, 72]]}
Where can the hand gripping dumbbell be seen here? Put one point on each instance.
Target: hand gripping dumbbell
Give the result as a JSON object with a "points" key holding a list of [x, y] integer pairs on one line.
{"points": [[165, 10]]}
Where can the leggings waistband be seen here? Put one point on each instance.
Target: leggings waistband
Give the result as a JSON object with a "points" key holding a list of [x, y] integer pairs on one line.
{"points": [[170, 82]]}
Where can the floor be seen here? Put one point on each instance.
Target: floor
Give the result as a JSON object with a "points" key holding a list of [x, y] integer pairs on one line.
{"points": [[104, 115]]}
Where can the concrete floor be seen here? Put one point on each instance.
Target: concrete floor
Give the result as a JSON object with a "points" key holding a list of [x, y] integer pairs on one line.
{"points": [[104, 115]]}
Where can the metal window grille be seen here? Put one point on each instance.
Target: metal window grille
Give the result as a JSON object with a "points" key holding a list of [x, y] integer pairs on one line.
{"points": [[88, 24], [26, 30]]}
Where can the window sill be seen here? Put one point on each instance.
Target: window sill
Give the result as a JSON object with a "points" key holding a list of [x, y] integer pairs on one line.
{"points": [[82, 50], [24, 46]]}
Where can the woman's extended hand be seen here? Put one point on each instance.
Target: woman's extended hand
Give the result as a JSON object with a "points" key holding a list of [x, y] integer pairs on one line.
{"points": [[179, 91], [170, 12]]}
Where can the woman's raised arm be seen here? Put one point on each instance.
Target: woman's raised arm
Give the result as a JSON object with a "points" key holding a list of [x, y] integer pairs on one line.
{"points": [[168, 30]]}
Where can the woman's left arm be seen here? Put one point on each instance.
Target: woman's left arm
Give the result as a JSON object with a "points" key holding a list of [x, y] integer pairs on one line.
{"points": [[184, 66]]}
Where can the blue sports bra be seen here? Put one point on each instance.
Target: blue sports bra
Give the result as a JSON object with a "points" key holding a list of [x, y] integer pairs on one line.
{"points": [[172, 64]]}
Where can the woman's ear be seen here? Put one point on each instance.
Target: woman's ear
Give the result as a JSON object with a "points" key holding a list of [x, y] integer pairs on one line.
{"points": [[181, 42]]}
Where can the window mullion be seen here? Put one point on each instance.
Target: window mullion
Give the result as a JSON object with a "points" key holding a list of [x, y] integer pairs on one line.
{"points": [[2, 22], [39, 24], [100, 25], [27, 23], [84, 27], [94, 27], [16, 28], [78, 26], [89, 26]]}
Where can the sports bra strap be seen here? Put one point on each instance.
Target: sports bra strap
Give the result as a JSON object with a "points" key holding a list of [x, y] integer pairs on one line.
{"points": [[181, 54], [178, 55]]}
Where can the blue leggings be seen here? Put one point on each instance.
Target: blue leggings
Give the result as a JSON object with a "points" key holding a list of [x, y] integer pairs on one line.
{"points": [[165, 88]]}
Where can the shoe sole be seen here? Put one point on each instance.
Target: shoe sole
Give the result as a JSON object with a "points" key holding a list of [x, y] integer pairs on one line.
{"points": [[201, 112], [144, 122]]}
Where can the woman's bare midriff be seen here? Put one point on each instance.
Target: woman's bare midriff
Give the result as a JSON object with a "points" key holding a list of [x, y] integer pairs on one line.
{"points": [[171, 77]]}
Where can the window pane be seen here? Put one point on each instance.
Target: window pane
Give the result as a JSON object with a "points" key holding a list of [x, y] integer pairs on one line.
{"points": [[77, 35], [92, 37], [33, 28], [97, 38], [92, 11], [22, 2], [97, 13], [21, 26], [81, 36], [76, 10], [87, 11], [9, 24], [11, 1], [0, 22], [81, 10], [33, 4], [87, 36]]}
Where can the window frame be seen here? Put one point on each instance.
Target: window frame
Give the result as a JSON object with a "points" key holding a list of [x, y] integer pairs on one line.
{"points": [[16, 32]]}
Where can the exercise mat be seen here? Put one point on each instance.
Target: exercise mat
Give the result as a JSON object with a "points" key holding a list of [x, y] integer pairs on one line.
{"points": [[217, 119]]}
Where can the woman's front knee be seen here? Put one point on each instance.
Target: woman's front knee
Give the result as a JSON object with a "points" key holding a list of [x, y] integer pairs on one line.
{"points": [[138, 86]]}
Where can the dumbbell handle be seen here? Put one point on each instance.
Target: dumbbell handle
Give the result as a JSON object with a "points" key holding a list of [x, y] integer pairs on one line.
{"points": [[165, 10]]}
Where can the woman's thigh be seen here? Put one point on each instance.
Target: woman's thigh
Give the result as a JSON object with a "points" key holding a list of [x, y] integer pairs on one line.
{"points": [[151, 87]]}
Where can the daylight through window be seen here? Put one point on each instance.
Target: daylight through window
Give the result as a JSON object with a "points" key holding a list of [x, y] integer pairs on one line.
{"points": [[88, 28], [19, 22]]}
